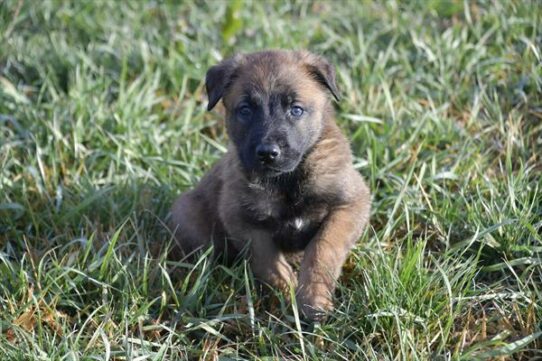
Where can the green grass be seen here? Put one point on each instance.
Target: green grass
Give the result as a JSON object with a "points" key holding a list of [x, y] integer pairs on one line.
{"points": [[103, 123]]}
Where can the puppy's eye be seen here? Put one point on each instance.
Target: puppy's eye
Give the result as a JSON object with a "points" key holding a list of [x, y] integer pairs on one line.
{"points": [[297, 111], [245, 111]]}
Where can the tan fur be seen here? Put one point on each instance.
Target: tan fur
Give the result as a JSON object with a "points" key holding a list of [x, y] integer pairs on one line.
{"points": [[337, 199]]}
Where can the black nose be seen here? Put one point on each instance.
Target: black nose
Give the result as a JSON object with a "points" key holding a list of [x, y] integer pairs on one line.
{"points": [[267, 153]]}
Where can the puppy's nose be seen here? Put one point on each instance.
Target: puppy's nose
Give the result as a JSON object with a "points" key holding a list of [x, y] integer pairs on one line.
{"points": [[267, 153]]}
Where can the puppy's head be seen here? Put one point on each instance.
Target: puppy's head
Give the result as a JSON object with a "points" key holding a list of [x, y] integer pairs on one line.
{"points": [[275, 104]]}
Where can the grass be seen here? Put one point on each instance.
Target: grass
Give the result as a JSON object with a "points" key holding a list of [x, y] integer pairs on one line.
{"points": [[103, 123]]}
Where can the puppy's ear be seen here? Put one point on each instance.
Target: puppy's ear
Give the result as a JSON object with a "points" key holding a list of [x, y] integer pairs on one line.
{"points": [[219, 77], [323, 72]]}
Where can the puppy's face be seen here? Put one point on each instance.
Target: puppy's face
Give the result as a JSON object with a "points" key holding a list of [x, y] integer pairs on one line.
{"points": [[275, 105]]}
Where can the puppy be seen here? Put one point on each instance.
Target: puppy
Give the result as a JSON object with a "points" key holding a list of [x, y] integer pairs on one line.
{"points": [[286, 184]]}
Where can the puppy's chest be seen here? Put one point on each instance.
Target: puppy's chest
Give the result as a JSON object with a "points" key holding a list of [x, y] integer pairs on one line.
{"points": [[293, 220]]}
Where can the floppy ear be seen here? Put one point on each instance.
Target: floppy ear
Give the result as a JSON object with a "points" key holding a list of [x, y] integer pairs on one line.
{"points": [[323, 72], [218, 78]]}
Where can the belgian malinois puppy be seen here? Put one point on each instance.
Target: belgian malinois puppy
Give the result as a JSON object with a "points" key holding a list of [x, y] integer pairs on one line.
{"points": [[286, 184]]}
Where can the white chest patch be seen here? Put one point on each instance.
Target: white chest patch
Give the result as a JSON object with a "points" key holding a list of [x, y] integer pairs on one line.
{"points": [[299, 223]]}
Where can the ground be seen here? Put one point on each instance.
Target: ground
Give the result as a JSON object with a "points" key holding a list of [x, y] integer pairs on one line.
{"points": [[103, 123]]}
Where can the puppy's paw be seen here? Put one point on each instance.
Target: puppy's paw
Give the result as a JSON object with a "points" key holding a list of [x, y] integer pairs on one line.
{"points": [[281, 277], [314, 302]]}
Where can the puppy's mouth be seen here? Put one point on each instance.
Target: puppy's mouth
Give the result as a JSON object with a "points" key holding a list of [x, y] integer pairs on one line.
{"points": [[275, 170], [270, 171]]}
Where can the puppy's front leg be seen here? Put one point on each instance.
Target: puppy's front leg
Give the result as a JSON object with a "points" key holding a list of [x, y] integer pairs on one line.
{"points": [[266, 260], [325, 255], [268, 263]]}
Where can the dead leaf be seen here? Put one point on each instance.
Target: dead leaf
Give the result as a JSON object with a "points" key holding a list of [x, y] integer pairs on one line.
{"points": [[26, 320]]}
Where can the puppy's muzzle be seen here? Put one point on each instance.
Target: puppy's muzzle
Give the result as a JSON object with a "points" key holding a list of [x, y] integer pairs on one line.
{"points": [[268, 153]]}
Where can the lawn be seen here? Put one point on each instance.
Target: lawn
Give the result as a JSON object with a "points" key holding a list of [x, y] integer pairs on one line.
{"points": [[103, 122]]}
